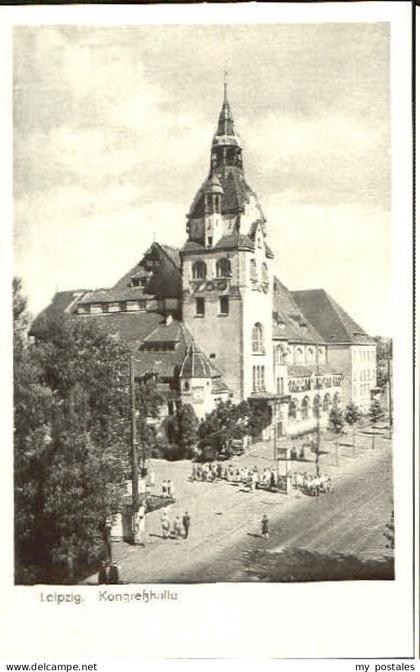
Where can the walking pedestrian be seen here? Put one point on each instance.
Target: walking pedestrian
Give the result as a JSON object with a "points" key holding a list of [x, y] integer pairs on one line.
{"points": [[264, 526], [186, 520], [102, 574], [113, 574], [165, 525]]}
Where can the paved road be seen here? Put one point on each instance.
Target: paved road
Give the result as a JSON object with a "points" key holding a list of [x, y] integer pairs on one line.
{"points": [[226, 520]]}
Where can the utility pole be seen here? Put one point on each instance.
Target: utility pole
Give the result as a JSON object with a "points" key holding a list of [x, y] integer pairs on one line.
{"points": [[134, 454]]}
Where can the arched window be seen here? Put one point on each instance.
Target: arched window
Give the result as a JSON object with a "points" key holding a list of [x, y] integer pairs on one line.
{"points": [[299, 356], [336, 399], [258, 338], [254, 275], [305, 408], [280, 355], [264, 272], [316, 406], [223, 268], [326, 403], [199, 270], [310, 356]]}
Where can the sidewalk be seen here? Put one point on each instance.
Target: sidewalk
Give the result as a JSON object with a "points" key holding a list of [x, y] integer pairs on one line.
{"points": [[222, 514]]}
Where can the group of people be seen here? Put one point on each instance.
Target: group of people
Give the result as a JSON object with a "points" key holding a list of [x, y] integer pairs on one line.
{"points": [[249, 477], [168, 488], [180, 526], [108, 573], [311, 485]]}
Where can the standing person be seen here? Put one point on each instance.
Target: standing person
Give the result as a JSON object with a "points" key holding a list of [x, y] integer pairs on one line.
{"points": [[164, 489], [171, 488], [264, 526], [186, 520], [165, 525], [102, 574], [177, 527], [113, 574]]}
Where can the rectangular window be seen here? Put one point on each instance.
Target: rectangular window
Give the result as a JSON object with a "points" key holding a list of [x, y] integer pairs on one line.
{"points": [[224, 305], [258, 379], [199, 307]]}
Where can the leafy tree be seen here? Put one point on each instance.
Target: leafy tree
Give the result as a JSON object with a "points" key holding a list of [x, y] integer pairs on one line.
{"points": [[335, 425], [224, 424], [376, 412], [352, 417], [72, 437], [260, 417], [188, 426]]}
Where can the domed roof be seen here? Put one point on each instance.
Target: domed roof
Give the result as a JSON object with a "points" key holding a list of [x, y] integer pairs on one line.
{"points": [[213, 185], [195, 364]]}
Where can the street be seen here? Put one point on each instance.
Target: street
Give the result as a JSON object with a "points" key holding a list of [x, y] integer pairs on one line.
{"points": [[225, 543]]}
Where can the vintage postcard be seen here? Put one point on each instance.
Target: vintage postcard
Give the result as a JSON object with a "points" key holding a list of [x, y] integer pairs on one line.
{"points": [[211, 240]]}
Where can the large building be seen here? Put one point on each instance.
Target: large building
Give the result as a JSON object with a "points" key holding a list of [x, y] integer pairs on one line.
{"points": [[212, 321]]}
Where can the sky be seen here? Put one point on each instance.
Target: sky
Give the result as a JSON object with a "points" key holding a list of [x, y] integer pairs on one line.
{"points": [[112, 135]]}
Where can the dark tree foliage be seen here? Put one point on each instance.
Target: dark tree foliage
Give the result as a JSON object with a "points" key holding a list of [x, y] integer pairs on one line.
{"points": [[376, 412], [71, 438], [182, 434]]}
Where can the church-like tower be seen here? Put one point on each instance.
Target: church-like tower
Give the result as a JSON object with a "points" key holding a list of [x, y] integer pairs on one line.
{"points": [[227, 270]]}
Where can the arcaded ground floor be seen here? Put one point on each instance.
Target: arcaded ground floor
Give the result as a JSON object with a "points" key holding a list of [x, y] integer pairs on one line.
{"points": [[334, 536]]}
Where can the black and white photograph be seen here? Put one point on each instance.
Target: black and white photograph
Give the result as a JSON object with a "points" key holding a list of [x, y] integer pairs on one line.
{"points": [[206, 326], [203, 390]]}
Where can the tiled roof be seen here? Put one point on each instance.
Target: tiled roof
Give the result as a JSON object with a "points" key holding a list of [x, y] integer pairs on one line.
{"points": [[173, 332], [329, 319], [297, 370], [236, 193], [289, 322], [233, 241], [61, 301], [172, 253], [115, 294], [218, 386]]}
